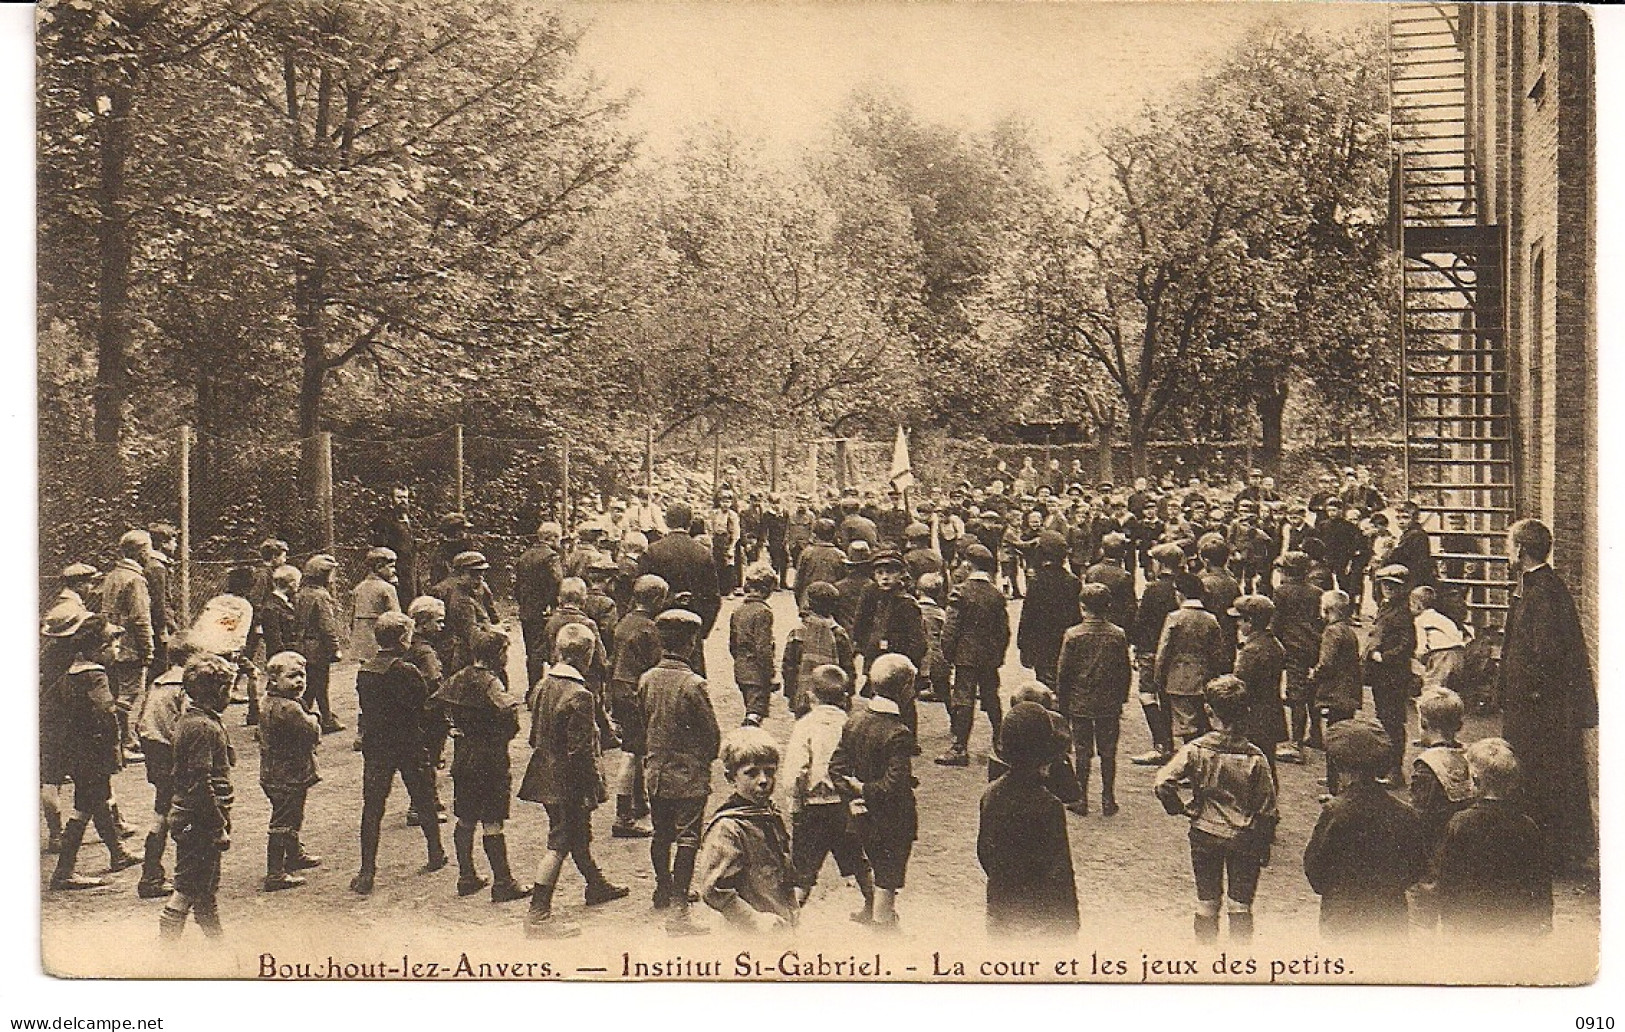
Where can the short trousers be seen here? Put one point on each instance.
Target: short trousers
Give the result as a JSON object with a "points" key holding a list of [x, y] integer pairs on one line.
{"points": [[1095, 736], [160, 763], [623, 706], [287, 807], [1215, 860], [888, 856], [197, 866], [677, 820], [818, 831], [1299, 689], [569, 827], [91, 791], [1188, 714], [481, 782], [975, 684]]}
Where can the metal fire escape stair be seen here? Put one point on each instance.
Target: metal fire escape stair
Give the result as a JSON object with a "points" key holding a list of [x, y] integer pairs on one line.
{"points": [[1454, 394]]}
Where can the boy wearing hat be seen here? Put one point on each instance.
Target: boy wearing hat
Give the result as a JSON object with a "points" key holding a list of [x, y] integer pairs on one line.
{"points": [[1191, 652], [161, 712], [750, 642], [316, 625], [469, 608], [1161, 599], [564, 776], [160, 557], [1113, 573], [455, 538], [1091, 688], [1367, 846], [127, 603], [682, 741], [77, 580], [637, 650], [536, 577], [920, 558], [200, 813], [975, 637], [1259, 663], [1021, 839], [373, 597], [889, 620], [857, 583], [485, 718], [1051, 607], [1298, 626], [1388, 653], [425, 651], [820, 561], [288, 735], [872, 765], [1232, 810], [1336, 678], [393, 696], [600, 604]]}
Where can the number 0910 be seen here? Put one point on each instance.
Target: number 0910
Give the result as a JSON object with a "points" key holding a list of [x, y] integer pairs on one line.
{"points": [[1594, 1023]]}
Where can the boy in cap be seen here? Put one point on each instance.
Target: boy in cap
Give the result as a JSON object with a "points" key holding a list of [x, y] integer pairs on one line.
{"points": [[425, 651], [1021, 839], [373, 597], [872, 764], [600, 605], [1367, 846], [934, 671], [1161, 600], [682, 741], [1232, 810], [889, 620], [1259, 663], [200, 813], [920, 558], [1335, 679], [1051, 607], [470, 607], [819, 640], [1091, 688], [975, 636], [1298, 626], [316, 626], [637, 650], [161, 712], [564, 776], [750, 642], [485, 718], [1494, 875], [127, 603], [160, 557], [744, 865], [288, 735], [1191, 652], [818, 562], [1388, 653], [1112, 572], [393, 695]]}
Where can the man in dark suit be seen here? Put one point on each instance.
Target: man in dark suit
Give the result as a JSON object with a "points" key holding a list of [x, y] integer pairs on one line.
{"points": [[393, 530], [1549, 697], [975, 636], [687, 568], [1414, 549]]}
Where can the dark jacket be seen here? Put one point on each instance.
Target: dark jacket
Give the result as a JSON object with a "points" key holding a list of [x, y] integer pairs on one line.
{"points": [[1365, 851], [875, 748], [316, 624], [1393, 635], [1094, 673], [1192, 652], [288, 735], [466, 611], [976, 631], [83, 711], [686, 567], [1414, 551], [203, 796], [392, 694], [1021, 842], [819, 562], [161, 597], [1219, 593], [1337, 672], [564, 736], [1297, 623], [637, 649], [1259, 663], [1493, 872], [750, 641], [1121, 584], [127, 602], [890, 621], [536, 577], [1156, 604], [745, 861], [276, 620], [683, 737], [1051, 606], [394, 531], [855, 591]]}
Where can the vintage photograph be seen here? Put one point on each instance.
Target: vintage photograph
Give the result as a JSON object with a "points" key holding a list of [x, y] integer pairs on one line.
{"points": [[1079, 492]]}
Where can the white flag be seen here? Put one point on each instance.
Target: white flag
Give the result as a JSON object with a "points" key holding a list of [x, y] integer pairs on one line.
{"points": [[902, 476]]}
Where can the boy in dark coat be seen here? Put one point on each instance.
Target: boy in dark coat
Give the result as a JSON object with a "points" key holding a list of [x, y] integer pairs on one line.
{"points": [[683, 740], [427, 651], [1338, 687], [1441, 784], [744, 867], [161, 712], [1091, 688], [872, 767], [1192, 651], [750, 642], [819, 640], [316, 626], [1388, 653], [1494, 876], [200, 815], [393, 694], [1367, 846], [1160, 600], [288, 734], [1298, 627], [856, 585], [1112, 572], [1021, 840], [1259, 662], [889, 620], [637, 650], [486, 719], [975, 636], [563, 775], [1050, 608]]}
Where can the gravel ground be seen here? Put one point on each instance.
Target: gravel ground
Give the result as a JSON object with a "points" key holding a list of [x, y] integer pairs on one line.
{"points": [[1134, 883]]}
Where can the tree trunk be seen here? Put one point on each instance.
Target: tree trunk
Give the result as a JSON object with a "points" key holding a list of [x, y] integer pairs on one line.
{"points": [[1103, 452], [308, 286], [1271, 414], [114, 321], [1138, 462]]}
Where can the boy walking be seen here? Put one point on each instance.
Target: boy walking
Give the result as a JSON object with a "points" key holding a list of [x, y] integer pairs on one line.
{"points": [[637, 650], [818, 641], [1091, 687], [1336, 679], [744, 865], [200, 814], [1232, 811], [1191, 652], [683, 740], [818, 811], [975, 635], [288, 734], [1298, 627], [872, 764], [750, 641]]}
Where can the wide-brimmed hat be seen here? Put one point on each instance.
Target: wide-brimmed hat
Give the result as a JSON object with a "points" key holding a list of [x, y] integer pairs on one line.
{"points": [[64, 619]]}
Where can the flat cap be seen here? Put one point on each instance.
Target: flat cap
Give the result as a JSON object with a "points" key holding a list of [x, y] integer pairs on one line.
{"points": [[977, 551], [380, 554], [470, 561], [74, 571], [1358, 743], [1294, 562], [1398, 572], [1168, 552], [858, 553], [886, 557], [1252, 607], [320, 563], [678, 618]]}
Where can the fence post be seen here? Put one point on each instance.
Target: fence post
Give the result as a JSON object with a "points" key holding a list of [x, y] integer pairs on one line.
{"points": [[649, 460], [716, 462], [186, 522], [773, 463], [840, 464], [457, 443], [564, 502], [324, 487], [812, 471]]}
